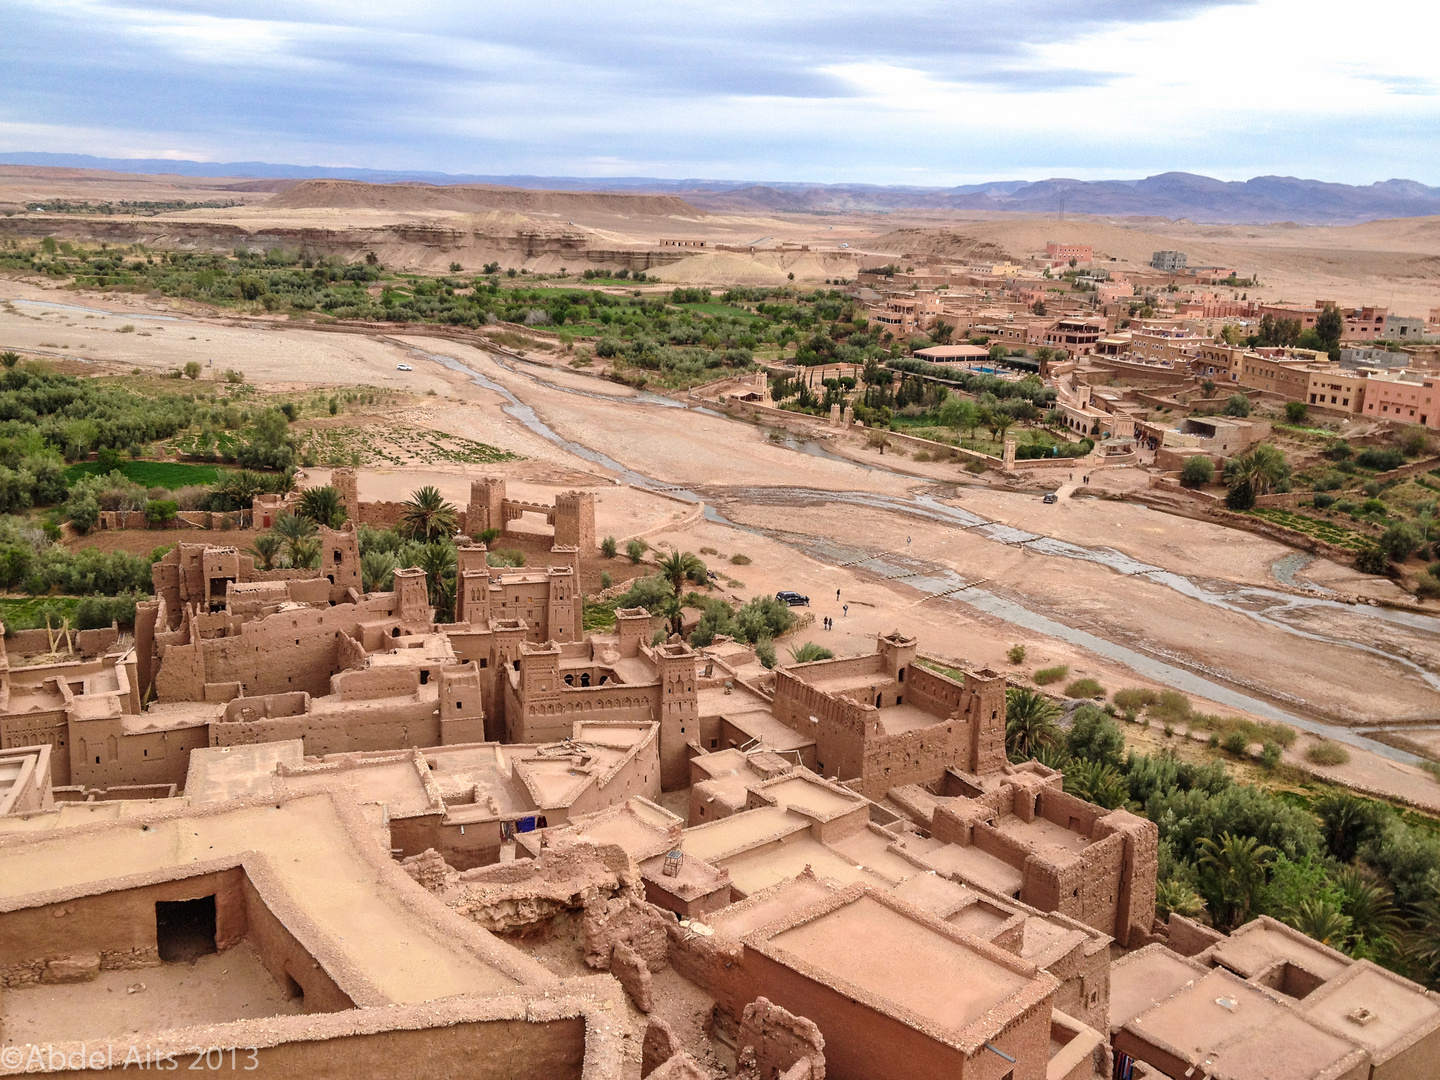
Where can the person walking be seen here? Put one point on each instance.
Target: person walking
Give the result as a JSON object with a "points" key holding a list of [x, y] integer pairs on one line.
{"points": [[837, 596], [845, 610]]}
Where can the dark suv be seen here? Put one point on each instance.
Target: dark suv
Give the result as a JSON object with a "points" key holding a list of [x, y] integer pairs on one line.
{"points": [[794, 599]]}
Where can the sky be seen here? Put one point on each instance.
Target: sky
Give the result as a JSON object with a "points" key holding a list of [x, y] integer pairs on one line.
{"points": [[922, 93]]}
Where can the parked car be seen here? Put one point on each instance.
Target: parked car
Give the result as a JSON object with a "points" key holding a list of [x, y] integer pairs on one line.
{"points": [[403, 367], [1050, 497], [794, 599]]}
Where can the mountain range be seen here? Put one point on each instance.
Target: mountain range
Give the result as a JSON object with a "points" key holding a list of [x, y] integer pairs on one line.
{"points": [[1261, 200]]}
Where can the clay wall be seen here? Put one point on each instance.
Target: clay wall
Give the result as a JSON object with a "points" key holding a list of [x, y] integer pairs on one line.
{"points": [[914, 757], [1188, 938], [638, 775], [862, 1042], [1073, 813], [90, 643], [283, 956], [35, 728], [366, 684], [552, 722], [933, 692], [119, 927], [289, 651], [380, 515], [553, 1049], [716, 965], [384, 724], [1139, 866], [141, 757]]}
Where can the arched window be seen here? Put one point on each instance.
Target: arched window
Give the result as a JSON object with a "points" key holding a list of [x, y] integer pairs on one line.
{"points": [[585, 679]]}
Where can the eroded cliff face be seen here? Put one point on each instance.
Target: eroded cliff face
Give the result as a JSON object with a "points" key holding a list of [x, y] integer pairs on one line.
{"points": [[410, 245]]}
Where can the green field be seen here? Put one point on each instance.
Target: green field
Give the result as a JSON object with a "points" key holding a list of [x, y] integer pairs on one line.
{"points": [[167, 474], [1320, 530], [19, 613]]}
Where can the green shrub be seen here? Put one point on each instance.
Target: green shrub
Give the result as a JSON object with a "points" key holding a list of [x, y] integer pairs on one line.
{"points": [[1270, 755], [1372, 561], [1172, 706], [1093, 736], [635, 550], [1197, 471], [1085, 688], [1046, 676], [1326, 752], [1135, 698], [765, 652], [1323, 502], [605, 579], [1380, 458], [1236, 743], [740, 560], [1296, 411], [1016, 654], [608, 547]]}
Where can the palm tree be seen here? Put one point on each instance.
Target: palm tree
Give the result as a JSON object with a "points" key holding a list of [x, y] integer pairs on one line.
{"points": [[1374, 922], [427, 516], [1029, 723], [810, 651], [1235, 868], [1322, 921], [377, 570], [1262, 469], [322, 505], [266, 550], [1096, 782], [305, 554], [1172, 894], [293, 527], [679, 565], [1423, 942]]}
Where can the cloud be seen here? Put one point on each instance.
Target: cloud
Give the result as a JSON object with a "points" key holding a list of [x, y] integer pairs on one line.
{"points": [[844, 90]]}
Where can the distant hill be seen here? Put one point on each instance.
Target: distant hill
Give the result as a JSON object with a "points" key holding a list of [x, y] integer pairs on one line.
{"points": [[1261, 200], [352, 194]]}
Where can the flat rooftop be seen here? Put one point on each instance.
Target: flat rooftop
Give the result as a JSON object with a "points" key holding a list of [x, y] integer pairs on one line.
{"points": [[899, 719], [902, 961], [812, 797], [1043, 835], [753, 871], [1397, 1010], [309, 848], [739, 833], [1259, 944], [1238, 1032], [969, 863], [1145, 977]]}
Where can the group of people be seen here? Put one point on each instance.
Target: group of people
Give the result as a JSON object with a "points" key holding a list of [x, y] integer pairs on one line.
{"points": [[827, 622]]}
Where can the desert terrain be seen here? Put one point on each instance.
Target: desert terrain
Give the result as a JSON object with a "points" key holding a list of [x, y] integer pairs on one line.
{"points": [[1392, 263]]}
